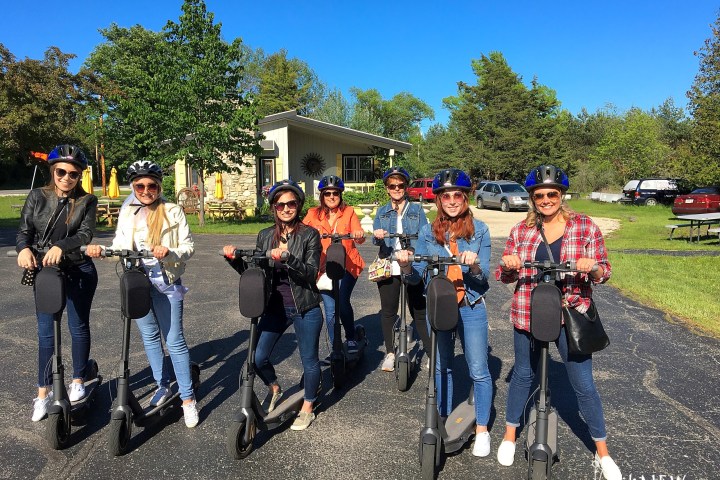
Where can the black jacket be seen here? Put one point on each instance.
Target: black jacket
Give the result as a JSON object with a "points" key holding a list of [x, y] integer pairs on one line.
{"points": [[36, 215], [303, 264]]}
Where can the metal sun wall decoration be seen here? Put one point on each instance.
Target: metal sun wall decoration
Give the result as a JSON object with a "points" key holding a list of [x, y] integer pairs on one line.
{"points": [[313, 164]]}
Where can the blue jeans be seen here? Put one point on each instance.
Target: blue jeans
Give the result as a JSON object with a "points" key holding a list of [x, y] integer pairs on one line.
{"points": [[347, 315], [165, 317], [579, 370], [307, 331], [80, 284], [473, 332]]}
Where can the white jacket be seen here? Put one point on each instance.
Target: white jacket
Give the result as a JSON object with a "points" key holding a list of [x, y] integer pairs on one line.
{"points": [[175, 235]]}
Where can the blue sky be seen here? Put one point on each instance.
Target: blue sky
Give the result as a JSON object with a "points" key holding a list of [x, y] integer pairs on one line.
{"points": [[625, 53]]}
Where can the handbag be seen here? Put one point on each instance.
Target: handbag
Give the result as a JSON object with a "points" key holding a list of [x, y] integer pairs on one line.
{"points": [[380, 269], [324, 282], [584, 331]]}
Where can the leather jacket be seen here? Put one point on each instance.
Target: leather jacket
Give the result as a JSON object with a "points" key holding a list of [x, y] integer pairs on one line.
{"points": [[36, 214], [303, 264]]}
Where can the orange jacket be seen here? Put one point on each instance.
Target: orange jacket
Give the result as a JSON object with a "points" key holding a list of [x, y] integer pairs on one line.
{"points": [[346, 222]]}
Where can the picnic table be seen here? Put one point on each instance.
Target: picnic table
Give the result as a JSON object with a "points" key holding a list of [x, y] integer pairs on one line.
{"points": [[107, 212], [696, 222], [222, 210]]}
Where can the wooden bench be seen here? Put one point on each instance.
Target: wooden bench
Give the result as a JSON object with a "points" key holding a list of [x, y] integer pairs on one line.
{"points": [[674, 226], [107, 213], [714, 230]]}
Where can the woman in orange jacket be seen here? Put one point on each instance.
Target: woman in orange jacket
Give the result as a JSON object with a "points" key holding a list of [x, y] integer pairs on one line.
{"points": [[335, 216]]}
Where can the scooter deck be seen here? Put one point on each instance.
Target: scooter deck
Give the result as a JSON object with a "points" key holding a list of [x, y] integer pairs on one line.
{"points": [[459, 426], [173, 398], [90, 390], [288, 406]]}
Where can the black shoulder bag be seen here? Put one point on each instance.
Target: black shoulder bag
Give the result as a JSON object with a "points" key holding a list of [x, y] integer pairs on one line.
{"points": [[584, 331]]}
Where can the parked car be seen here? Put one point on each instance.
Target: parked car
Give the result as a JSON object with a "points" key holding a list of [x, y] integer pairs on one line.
{"points": [[651, 191], [700, 200], [503, 194], [421, 190]]}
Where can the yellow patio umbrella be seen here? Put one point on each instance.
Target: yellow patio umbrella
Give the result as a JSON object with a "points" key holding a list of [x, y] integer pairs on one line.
{"points": [[113, 188], [87, 180], [218, 186]]}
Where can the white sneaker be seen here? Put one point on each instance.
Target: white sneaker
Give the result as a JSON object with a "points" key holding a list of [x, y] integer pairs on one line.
{"points": [[607, 466], [40, 406], [76, 391], [481, 448], [388, 364], [506, 453], [191, 415]]}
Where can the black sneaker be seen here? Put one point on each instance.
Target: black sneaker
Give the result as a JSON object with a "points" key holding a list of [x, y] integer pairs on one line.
{"points": [[352, 347]]}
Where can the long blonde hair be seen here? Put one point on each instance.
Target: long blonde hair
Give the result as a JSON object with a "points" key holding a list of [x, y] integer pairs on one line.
{"points": [[532, 216], [156, 217]]}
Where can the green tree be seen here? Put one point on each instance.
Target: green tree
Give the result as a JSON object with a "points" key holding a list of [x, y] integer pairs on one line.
{"points": [[398, 116], [704, 105], [287, 84], [334, 109], [210, 121]]}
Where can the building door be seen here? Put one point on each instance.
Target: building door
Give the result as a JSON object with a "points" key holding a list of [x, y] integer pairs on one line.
{"points": [[267, 174]]}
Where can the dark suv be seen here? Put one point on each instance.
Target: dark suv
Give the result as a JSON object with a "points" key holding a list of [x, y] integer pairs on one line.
{"points": [[651, 191]]}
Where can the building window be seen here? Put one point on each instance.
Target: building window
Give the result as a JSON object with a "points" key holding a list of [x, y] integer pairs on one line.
{"points": [[358, 168]]}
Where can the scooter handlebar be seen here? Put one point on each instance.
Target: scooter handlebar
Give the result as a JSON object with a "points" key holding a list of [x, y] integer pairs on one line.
{"points": [[255, 254], [558, 267], [122, 253], [435, 259]]}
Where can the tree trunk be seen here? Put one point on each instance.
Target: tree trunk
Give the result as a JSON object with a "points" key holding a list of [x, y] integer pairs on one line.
{"points": [[201, 186]]}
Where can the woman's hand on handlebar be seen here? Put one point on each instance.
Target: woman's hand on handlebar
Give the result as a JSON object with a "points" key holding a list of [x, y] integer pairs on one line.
{"points": [[160, 251], [53, 256], [402, 257], [511, 262], [469, 258], [277, 254], [358, 236], [93, 251], [379, 233], [229, 251], [26, 259], [585, 265]]}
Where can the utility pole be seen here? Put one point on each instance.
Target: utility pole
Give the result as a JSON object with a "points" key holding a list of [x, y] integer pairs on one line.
{"points": [[102, 157]]}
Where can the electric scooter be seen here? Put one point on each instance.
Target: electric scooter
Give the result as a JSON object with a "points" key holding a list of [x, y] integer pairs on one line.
{"points": [[436, 435], [50, 298], [341, 361], [546, 321], [135, 303], [406, 347], [252, 416]]}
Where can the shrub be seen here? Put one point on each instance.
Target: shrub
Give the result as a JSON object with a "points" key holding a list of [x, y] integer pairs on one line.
{"points": [[376, 195]]}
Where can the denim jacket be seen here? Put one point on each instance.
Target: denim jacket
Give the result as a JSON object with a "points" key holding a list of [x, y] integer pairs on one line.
{"points": [[476, 286], [386, 218]]}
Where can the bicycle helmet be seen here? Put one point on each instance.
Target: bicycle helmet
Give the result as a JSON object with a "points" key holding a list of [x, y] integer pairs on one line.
{"points": [[547, 176], [68, 153], [451, 178], [144, 168], [396, 171], [331, 181], [283, 185]]}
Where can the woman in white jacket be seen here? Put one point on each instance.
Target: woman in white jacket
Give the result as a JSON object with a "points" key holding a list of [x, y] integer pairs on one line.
{"points": [[148, 222]]}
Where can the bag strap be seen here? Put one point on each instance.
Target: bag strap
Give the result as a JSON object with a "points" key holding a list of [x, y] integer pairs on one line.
{"points": [[547, 245]]}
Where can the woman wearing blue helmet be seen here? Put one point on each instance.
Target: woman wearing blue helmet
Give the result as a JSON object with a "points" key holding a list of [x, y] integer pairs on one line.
{"points": [[455, 232], [399, 215], [61, 215], [568, 236]]}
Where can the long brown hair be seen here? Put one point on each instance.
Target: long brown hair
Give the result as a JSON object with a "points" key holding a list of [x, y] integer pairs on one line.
{"points": [[324, 210], [459, 227], [77, 192]]}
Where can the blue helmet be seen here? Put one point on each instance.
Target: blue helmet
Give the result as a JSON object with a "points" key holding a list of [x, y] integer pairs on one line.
{"points": [[290, 185], [451, 178], [547, 176], [396, 171], [331, 181], [69, 154]]}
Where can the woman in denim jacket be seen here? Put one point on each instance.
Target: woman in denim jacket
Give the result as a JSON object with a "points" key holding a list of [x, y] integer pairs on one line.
{"points": [[456, 232], [399, 215]]}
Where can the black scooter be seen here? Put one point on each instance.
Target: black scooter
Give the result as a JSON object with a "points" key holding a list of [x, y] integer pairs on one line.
{"points": [[50, 298], [252, 416], [406, 347], [135, 303], [458, 428], [546, 321], [341, 361]]}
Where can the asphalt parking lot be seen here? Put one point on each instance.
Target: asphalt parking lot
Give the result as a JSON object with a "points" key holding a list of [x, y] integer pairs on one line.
{"points": [[658, 380]]}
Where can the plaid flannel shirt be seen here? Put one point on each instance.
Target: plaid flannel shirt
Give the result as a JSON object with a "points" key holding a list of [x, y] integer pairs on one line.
{"points": [[582, 239]]}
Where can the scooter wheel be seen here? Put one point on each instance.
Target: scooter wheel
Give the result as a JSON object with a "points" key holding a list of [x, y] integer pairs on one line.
{"points": [[119, 436], [427, 462], [57, 432], [236, 446], [402, 374]]}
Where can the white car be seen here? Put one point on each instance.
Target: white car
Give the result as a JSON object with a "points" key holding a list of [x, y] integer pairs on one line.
{"points": [[502, 194]]}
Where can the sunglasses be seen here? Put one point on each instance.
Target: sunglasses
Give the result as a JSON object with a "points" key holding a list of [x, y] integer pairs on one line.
{"points": [[331, 194], [292, 205], [447, 196], [396, 186], [149, 187], [61, 172], [550, 195]]}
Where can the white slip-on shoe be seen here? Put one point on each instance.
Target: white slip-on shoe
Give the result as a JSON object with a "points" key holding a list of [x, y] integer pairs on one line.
{"points": [[481, 448], [506, 453], [608, 467], [40, 406], [76, 392]]}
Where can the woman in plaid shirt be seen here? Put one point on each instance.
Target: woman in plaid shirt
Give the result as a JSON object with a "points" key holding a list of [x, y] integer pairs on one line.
{"points": [[571, 236]]}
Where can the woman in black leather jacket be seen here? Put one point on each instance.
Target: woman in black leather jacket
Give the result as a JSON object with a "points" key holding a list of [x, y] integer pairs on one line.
{"points": [[294, 298], [61, 216]]}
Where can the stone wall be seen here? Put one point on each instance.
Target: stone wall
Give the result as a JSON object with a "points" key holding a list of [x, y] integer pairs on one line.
{"points": [[237, 187]]}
